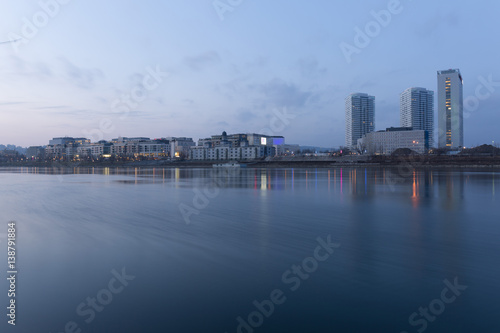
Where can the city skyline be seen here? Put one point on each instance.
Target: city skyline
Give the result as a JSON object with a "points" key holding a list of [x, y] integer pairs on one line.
{"points": [[233, 74]]}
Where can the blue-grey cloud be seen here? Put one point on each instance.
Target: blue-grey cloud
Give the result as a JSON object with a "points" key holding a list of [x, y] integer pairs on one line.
{"points": [[12, 103], [85, 78], [51, 107], [222, 123], [432, 25], [202, 61], [278, 93], [310, 68], [245, 115], [33, 70]]}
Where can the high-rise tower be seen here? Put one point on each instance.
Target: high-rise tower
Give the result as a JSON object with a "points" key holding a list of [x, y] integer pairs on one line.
{"points": [[359, 117], [450, 109], [417, 110]]}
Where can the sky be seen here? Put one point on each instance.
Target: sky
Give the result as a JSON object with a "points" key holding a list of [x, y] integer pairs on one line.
{"points": [[103, 69]]}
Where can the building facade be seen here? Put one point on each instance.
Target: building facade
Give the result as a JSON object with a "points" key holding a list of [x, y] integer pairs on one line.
{"points": [[231, 153], [417, 110], [68, 140], [386, 142], [360, 117], [69, 148], [180, 146], [450, 109], [35, 153], [237, 147]]}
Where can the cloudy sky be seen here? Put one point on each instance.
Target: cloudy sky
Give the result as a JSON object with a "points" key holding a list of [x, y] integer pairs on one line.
{"points": [[194, 68]]}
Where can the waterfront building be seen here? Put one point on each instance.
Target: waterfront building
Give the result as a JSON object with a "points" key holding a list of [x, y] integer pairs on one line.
{"points": [[387, 141], [237, 146], [417, 110], [35, 153], [450, 109], [231, 153], [179, 146], [55, 152], [359, 116], [67, 140]]}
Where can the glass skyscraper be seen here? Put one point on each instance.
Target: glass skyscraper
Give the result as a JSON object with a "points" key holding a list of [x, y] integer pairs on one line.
{"points": [[417, 110], [359, 117], [450, 109]]}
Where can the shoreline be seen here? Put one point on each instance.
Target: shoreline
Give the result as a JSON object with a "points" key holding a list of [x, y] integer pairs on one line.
{"points": [[425, 162]]}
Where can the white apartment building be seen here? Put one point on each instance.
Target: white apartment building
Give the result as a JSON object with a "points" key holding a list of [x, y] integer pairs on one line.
{"points": [[56, 151], [180, 146], [359, 117], [386, 142], [231, 153], [417, 110]]}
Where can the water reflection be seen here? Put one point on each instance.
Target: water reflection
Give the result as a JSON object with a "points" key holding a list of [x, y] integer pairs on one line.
{"points": [[450, 189], [262, 221], [493, 182], [356, 183]]}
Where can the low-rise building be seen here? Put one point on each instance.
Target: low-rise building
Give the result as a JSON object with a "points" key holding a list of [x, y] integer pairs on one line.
{"points": [[180, 146], [386, 142], [231, 153], [288, 149], [68, 140], [35, 153], [237, 146], [55, 151]]}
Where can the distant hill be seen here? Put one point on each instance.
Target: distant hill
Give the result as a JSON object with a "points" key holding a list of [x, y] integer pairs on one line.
{"points": [[19, 149], [482, 150]]}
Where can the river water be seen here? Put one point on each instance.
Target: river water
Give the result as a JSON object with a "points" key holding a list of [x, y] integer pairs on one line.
{"points": [[252, 250]]}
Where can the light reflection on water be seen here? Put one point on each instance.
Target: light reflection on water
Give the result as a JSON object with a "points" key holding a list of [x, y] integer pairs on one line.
{"points": [[272, 179], [402, 233]]}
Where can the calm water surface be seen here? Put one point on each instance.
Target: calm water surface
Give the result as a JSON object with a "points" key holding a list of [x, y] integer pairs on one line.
{"points": [[204, 245]]}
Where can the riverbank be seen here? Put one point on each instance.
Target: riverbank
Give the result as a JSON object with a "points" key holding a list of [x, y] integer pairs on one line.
{"points": [[429, 161]]}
